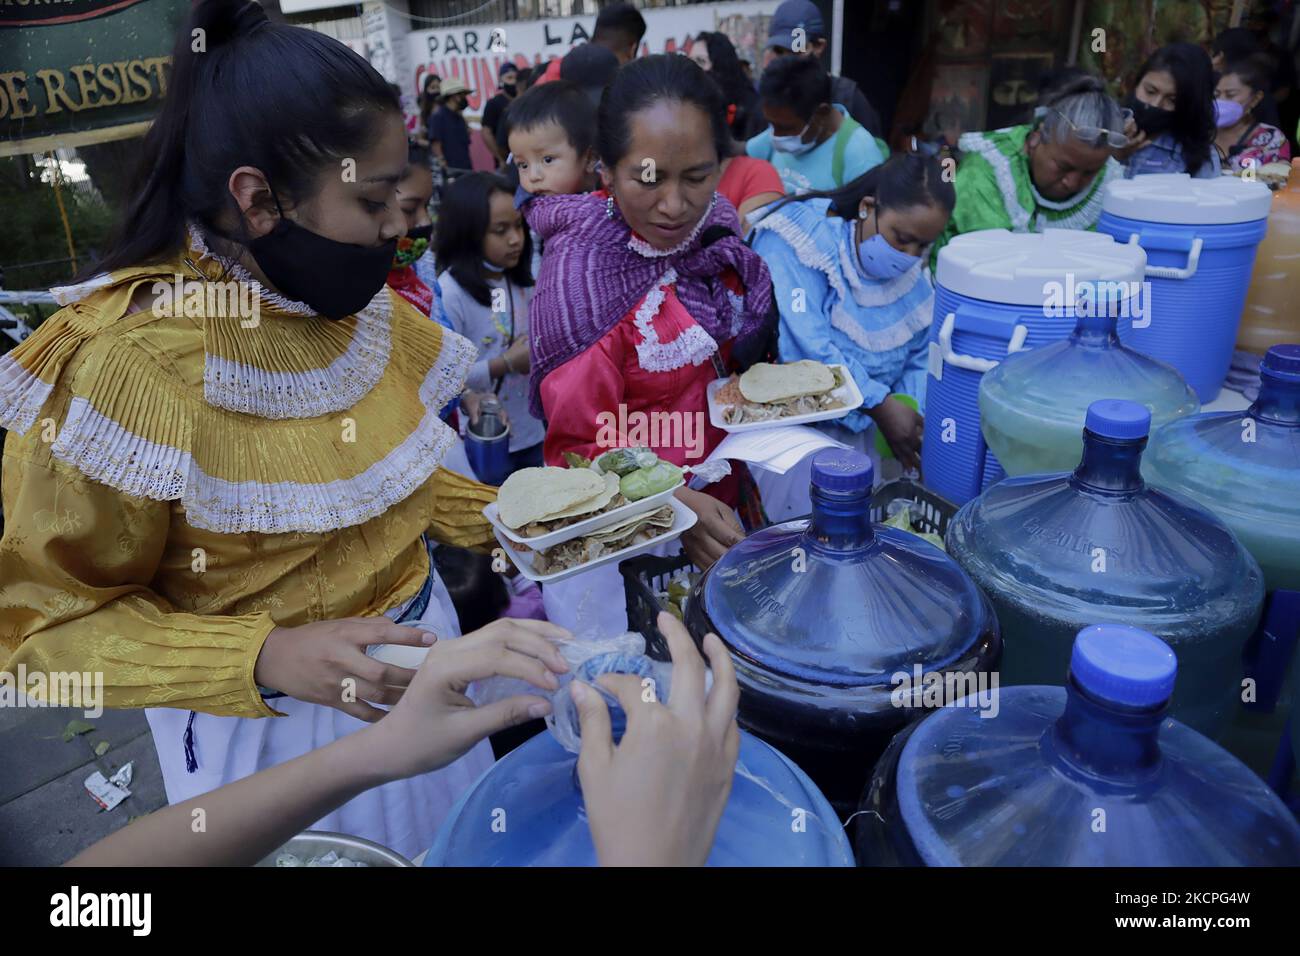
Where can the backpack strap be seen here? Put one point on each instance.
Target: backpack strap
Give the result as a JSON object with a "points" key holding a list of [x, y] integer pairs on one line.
{"points": [[847, 127]]}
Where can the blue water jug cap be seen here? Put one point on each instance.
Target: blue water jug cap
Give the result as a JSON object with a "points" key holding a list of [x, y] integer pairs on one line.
{"points": [[1124, 665], [613, 663], [842, 470], [1117, 418], [1282, 362]]}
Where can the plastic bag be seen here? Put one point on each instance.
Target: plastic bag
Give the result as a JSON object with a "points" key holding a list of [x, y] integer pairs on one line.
{"points": [[714, 469], [655, 686], [645, 482], [624, 461], [587, 660], [493, 689], [902, 520]]}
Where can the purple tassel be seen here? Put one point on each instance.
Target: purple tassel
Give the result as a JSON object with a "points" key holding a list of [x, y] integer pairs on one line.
{"points": [[191, 762]]}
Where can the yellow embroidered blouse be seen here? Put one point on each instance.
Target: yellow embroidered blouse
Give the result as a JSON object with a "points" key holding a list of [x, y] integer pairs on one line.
{"points": [[175, 486]]}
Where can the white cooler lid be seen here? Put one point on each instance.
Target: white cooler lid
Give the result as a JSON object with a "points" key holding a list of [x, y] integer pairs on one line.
{"points": [[1178, 199], [1014, 268]]}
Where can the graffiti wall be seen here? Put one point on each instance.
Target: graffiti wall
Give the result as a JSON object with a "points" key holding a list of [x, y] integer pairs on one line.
{"points": [[474, 54]]}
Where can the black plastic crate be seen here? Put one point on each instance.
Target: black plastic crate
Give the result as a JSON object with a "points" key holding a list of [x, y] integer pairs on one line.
{"points": [[931, 513], [645, 576]]}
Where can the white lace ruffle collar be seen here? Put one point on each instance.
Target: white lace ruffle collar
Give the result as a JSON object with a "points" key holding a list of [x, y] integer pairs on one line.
{"points": [[246, 387], [240, 274], [643, 248], [108, 452], [692, 346], [854, 298], [1085, 208]]}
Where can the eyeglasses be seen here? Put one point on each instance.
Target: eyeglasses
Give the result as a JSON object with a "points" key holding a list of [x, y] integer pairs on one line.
{"points": [[1095, 135]]}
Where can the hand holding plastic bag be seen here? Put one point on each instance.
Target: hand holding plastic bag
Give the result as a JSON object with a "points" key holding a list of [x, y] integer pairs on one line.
{"points": [[656, 793], [575, 652]]}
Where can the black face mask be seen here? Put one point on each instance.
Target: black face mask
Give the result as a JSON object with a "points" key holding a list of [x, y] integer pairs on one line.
{"points": [[420, 232], [1151, 120], [336, 279], [509, 88]]}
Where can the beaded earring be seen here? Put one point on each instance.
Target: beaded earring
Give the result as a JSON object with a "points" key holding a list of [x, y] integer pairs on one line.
{"points": [[609, 207]]}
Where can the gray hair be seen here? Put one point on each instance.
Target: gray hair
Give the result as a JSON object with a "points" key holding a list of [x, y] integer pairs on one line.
{"points": [[1081, 102]]}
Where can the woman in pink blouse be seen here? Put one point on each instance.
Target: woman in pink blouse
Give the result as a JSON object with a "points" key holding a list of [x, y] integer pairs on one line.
{"points": [[646, 292]]}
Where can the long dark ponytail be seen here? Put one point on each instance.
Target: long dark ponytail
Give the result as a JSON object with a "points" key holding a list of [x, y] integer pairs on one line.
{"points": [[243, 91], [902, 181], [724, 66]]}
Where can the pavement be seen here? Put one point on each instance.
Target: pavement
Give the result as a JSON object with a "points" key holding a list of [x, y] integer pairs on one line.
{"points": [[46, 815]]}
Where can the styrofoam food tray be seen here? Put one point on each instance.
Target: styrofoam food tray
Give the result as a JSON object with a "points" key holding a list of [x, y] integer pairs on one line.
{"points": [[683, 520], [587, 525], [848, 392]]}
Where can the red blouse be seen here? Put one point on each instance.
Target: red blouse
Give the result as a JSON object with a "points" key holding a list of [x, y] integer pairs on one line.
{"points": [[616, 393], [747, 177]]}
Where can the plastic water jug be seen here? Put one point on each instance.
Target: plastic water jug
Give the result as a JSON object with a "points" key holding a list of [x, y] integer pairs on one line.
{"points": [[1091, 774], [1270, 316], [1245, 468], [528, 809], [835, 624], [1057, 552], [997, 292], [1032, 405], [1200, 237]]}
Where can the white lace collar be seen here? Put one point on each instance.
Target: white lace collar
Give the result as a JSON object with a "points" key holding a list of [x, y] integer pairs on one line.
{"points": [[692, 346], [1056, 205], [643, 248], [235, 379], [240, 274]]}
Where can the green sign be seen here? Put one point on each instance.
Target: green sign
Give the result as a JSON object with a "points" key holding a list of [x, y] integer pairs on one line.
{"points": [[74, 72]]}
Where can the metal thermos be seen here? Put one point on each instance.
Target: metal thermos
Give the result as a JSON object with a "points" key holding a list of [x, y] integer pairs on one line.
{"points": [[487, 444]]}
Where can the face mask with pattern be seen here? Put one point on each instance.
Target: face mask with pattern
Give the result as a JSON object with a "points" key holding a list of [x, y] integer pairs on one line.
{"points": [[413, 245]]}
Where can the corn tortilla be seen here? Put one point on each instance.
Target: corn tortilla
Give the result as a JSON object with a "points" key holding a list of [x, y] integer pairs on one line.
{"points": [[765, 382], [535, 494]]}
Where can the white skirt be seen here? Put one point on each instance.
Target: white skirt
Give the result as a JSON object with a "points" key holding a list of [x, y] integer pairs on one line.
{"points": [[404, 815]]}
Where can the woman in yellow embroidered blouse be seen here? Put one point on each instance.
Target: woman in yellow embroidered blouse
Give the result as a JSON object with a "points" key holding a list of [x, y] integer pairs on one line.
{"points": [[227, 445]]}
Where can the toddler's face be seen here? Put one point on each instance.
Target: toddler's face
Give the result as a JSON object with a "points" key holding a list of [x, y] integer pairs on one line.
{"points": [[548, 163]]}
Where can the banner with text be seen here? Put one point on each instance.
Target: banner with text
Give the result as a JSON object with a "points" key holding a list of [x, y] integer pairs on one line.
{"points": [[474, 54], [53, 92]]}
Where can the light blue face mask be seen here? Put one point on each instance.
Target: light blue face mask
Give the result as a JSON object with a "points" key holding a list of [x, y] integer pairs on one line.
{"points": [[879, 260], [794, 145]]}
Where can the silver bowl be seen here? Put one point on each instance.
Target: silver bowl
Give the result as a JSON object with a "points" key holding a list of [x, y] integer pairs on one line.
{"points": [[313, 843]]}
